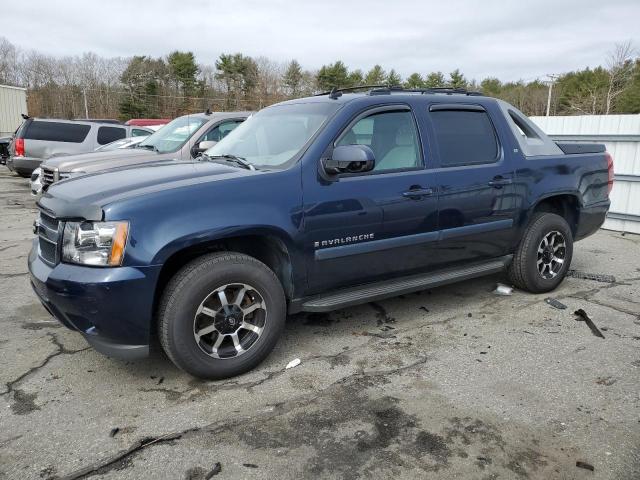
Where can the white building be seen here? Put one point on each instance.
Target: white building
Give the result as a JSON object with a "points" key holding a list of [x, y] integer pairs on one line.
{"points": [[13, 102], [621, 135]]}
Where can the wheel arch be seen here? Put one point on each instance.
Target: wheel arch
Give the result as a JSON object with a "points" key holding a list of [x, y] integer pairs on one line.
{"points": [[266, 245], [565, 204]]}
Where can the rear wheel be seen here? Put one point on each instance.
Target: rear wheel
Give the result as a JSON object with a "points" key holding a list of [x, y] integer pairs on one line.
{"points": [[221, 315], [544, 254]]}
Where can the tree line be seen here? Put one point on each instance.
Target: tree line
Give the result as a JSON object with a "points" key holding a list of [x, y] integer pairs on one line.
{"points": [[169, 86]]}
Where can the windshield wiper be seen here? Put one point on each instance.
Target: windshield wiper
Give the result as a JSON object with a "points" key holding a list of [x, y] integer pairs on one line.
{"points": [[148, 147], [233, 159]]}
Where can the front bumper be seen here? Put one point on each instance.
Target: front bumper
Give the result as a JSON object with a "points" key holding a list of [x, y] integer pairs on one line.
{"points": [[111, 307]]}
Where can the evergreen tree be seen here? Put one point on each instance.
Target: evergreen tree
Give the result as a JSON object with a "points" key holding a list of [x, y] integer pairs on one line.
{"points": [[393, 79], [434, 80], [414, 81], [376, 76], [293, 78]]}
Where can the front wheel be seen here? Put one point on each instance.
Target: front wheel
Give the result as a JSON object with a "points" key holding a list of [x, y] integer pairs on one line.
{"points": [[542, 259], [221, 315]]}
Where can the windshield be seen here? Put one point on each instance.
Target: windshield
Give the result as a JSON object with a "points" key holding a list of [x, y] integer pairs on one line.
{"points": [[274, 135], [173, 135]]}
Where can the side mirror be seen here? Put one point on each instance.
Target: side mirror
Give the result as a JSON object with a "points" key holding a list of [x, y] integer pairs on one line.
{"points": [[349, 159], [203, 146]]}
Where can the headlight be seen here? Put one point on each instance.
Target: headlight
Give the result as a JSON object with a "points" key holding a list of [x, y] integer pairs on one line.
{"points": [[94, 243]]}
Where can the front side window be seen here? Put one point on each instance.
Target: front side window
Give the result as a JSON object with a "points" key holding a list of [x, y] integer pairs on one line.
{"points": [[136, 132], [276, 135], [392, 136], [464, 137], [173, 135], [56, 131], [220, 131]]}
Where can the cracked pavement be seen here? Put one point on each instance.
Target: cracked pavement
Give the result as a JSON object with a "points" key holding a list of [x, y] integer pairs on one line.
{"points": [[454, 382]]}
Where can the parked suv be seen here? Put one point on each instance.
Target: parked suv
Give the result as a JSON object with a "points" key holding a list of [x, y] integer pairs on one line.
{"points": [[312, 205], [38, 139], [183, 138]]}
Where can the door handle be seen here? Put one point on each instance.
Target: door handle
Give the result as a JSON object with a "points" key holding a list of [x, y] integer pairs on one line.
{"points": [[499, 182], [418, 193]]}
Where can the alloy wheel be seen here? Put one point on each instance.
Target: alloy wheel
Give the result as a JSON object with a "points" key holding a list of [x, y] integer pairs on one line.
{"points": [[551, 254], [230, 320]]}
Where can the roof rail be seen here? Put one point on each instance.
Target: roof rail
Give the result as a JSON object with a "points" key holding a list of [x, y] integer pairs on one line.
{"points": [[386, 89], [423, 91], [337, 92]]}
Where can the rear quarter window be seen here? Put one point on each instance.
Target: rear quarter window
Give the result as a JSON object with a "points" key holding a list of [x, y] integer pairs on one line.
{"points": [[110, 134], [464, 137], [56, 132]]}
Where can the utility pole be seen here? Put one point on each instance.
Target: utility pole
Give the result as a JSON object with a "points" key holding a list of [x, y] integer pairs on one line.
{"points": [[552, 79], [86, 108]]}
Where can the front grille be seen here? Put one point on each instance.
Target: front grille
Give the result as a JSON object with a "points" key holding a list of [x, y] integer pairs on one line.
{"points": [[49, 230], [48, 176]]}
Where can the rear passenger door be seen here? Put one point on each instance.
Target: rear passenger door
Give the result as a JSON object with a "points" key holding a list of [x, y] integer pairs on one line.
{"points": [[476, 203]]}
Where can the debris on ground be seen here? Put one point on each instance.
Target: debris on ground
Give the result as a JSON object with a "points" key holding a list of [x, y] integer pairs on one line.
{"points": [[293, 363], [250, 465], [606, 381], [585, 465], [502, 289], [161, 380], [598, 277], [425, 309], [555, 303], [217, 468], [583, 317], [114, 431]]}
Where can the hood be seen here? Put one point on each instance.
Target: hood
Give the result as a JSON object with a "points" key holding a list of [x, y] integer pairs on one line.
{"points": [[96, 161], [84, 196]]}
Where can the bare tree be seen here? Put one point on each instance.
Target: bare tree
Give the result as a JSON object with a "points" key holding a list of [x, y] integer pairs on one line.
{"points": [[620, 66]]}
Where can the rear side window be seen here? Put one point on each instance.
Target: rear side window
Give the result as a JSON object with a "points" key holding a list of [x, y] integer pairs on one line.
{"points": [[56, 132], [110, 134], [464, 137]]}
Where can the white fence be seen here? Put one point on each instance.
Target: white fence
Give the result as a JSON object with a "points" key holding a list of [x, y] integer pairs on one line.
{"points": [[621, 135]]}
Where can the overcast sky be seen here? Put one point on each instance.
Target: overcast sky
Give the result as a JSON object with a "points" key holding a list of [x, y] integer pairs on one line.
{"points": [[509, 39]]}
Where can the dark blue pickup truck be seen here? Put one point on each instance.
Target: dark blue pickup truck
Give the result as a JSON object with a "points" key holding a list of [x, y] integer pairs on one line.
{"points": [[312, 205]]}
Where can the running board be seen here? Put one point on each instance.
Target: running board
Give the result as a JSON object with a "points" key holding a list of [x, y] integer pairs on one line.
{"points": [[390, 288]]}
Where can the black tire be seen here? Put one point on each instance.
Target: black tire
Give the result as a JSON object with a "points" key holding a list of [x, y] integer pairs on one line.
{"points": [[196, 282], [523, 270]]}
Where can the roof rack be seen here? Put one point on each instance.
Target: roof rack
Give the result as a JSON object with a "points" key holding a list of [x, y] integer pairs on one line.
{"points": [[423, 91], [387, 89], [337, 92]]}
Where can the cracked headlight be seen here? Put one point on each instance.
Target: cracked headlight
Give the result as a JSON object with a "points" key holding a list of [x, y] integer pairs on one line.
{"points": [[94, 243]]}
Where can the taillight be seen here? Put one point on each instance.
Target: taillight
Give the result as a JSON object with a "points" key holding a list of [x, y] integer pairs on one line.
{"points": [[20, 147], [610, 169]]}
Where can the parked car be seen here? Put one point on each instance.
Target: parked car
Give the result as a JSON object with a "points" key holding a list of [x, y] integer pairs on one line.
{"points": [[35, 182], [312, 205], [152, 123], [39, 139], [122, 143], [183, 138], [4, 149]]}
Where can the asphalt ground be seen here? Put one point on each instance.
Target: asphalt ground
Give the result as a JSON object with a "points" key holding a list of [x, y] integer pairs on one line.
{"points": [[454, 382]]}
